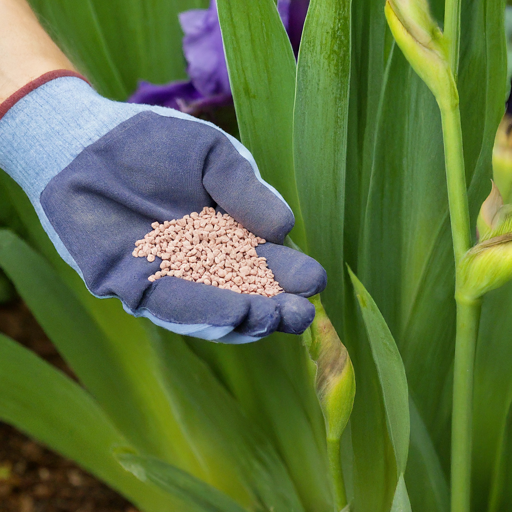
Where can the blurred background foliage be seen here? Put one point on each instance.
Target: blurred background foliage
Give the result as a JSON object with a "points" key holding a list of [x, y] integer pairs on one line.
{"points": [[117, 43]]}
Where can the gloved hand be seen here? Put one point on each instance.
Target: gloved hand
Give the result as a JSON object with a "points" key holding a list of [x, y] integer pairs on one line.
{"points": [[100, 172]]}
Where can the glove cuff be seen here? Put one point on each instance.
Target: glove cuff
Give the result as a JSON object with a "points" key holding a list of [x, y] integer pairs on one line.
{"points": [[34, 84]]}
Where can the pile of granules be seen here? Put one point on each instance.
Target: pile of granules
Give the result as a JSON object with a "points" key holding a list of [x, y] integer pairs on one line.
{"points": [[209, 248]]}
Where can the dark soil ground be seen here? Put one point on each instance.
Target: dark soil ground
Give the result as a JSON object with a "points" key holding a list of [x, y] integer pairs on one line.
{"points": [[32, 478]]}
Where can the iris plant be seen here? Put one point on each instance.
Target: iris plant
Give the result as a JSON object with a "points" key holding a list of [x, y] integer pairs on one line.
{"points": [[378, 130]]}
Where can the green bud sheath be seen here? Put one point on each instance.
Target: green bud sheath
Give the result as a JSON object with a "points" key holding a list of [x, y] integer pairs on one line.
{"points": [[485, 267], [335, 388], [488, 265], [423, 45], [335, 380]]}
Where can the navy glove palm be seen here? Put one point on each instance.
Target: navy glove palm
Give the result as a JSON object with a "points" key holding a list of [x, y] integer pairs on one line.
{"points": [[100, 172]]}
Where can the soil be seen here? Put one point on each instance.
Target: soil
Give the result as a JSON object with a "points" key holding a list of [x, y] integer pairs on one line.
{"points": [[33, 478]]}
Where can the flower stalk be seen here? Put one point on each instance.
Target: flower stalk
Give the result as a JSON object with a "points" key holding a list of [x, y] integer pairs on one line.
{"points": [[468, 311], [455, 177], [468, 319], [335, 388], [434, 56]]}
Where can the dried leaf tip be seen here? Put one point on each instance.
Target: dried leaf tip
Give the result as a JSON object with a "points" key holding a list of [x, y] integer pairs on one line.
{"points": [[488, 212], [502, 158]]}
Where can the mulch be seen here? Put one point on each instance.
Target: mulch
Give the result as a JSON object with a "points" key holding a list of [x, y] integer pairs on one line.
{"points": [[33, 478]]}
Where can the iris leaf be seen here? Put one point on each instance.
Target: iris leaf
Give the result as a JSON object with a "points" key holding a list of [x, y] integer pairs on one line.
{"points": [[373, 459], [391, 374], [239, 457], [320, 133], [425, 478], [271, 382], [117, 43], [501, 492], [401, 501], [149, 33], [75, 27], [262, 73], [491, 443], [49, 406], [196, 495]]}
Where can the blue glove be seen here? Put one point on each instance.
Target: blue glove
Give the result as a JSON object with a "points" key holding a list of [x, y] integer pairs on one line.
{"points": [[100, 172]]}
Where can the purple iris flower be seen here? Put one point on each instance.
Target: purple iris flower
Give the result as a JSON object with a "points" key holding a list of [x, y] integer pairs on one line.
{"points": [[297, 10], [208, 88]]}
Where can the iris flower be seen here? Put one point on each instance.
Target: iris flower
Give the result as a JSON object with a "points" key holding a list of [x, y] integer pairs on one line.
{"points": [[208, 86]]}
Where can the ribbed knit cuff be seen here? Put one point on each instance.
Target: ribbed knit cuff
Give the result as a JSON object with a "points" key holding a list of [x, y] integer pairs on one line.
{"points": [[34, 84]]}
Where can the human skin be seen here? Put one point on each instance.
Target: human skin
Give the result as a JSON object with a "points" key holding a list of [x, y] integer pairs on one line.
{"points": [[26, 50]]}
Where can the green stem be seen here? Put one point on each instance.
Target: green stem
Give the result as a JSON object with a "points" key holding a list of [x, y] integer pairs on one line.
{"points": [[452, 33], [468, 319], [468, 313], [456, 178], [333, 451]]}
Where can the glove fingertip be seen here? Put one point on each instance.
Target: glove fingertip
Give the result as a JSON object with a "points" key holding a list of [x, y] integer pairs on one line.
{"points": [[297, 313]]}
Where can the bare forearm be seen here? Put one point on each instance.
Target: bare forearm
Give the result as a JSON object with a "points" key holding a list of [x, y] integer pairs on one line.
{"points": [[26, 51]]}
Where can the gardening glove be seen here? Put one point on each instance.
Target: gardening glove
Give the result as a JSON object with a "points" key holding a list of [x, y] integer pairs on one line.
{"points": [[99, 173]]}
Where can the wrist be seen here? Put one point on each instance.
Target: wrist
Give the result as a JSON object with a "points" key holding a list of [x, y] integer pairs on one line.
{"points": [[26, 50], [18, 77]]}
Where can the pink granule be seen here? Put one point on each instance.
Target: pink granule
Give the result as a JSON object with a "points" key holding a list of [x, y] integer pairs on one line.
{"points": [[209, 248]]}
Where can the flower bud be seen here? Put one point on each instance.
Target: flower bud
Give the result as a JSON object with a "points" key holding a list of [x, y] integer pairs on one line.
{"points": [[485, 267], [335, 380], [488, 265], [423, 45]]}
